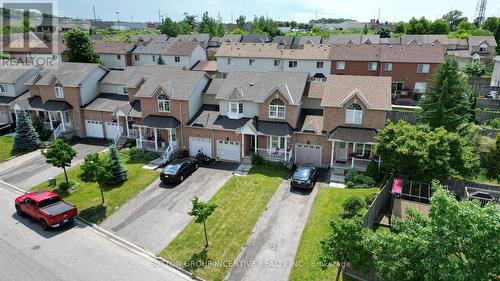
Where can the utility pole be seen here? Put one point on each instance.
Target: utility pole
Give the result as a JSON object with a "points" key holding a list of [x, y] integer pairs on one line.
{"points": [[118, 20], [159, 16], [93, 8]]}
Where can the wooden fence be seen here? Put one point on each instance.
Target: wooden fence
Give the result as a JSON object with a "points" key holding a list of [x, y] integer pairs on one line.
{"points": [[411, 117], [372, 214], [488, 104]]}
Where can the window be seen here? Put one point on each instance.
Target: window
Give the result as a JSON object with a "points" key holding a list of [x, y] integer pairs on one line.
{"points": [[292, 63], [235, 108], [368, 150], [341, 65], [423, 68], [420, 87], [483, 48], [319, 64], [354, 114], [277, 109], [397, 87], [363, 149], [275, 142], [136, 57], [388, 67], [251, 61], [277, 62], [163, 103], [3, 88], [59, 91], [125, 90], [359, 148], [230, 61], [118, 57], [372, 66], [154, 58], [177, 59]]}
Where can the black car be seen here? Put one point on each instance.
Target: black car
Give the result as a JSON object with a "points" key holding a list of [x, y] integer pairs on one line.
{"points": [[305, 176], [178, 170]]}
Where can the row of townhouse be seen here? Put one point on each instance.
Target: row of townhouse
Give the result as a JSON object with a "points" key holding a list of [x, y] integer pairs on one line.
{"points": [[411, 67], [282, 116]]}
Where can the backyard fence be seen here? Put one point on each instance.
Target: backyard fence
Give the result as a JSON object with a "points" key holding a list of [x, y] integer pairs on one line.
{"points": [[372, 214], [490, 104], [407, 116], [483, 116], [458, 187]]}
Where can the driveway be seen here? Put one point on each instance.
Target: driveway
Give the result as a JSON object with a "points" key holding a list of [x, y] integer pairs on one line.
{"points": [[156, 215], [76, 253], [31, 169], [270, 252]]}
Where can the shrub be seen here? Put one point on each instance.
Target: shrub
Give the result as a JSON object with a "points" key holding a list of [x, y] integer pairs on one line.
{"points": [[66, 186], [493, 123], [117, 171], [45, 134], [350, 184], [142, 155], [352, 206], [359, 179], [257, 159], [372, 170], [351, 176]]}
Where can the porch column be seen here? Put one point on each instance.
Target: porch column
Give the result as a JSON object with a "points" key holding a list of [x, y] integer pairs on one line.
{"points": [[50, 121], [140, 137], [126, 122], [118, 123], [170, 141], [379, 161], [256, 145], [62, 121], [331, 157], [242, 145], [286, 148], [156, 139]]}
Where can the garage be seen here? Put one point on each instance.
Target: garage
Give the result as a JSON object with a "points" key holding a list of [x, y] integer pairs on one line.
{"points": [[202, 144], [94, 129], [228, 150], [112, 129], [308, 154]]}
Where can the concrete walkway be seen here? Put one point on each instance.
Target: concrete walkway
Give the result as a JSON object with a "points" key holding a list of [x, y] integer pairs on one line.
{"points": [[271, 249]]}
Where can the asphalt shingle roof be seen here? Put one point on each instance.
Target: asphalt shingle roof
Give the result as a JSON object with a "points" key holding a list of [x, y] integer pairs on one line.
{"points": [[107, 102], [161, 122], [70, 74], [353, 134]]}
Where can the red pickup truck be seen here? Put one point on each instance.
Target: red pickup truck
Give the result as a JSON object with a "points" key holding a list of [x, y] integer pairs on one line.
{"points": [[46, 207]]}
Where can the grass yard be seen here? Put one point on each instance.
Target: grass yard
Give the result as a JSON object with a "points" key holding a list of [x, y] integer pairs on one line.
{"points": [[327, 205], [241, 202], [6, 144], [87, 196]]}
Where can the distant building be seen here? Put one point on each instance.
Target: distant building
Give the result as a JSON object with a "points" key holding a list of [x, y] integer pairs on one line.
{"points": [[345, 25]]}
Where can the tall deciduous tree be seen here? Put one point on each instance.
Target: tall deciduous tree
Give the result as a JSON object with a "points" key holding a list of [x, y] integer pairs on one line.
{"points": [[240, 21], [169, 27], [418, 26], [117, 173], [453, 18], [26, 138], [493, 160], [446, 103], [60, 154], [344, 244], [439, 26], [424, 153], [201, 211], [95, 169], [80, 48], [400, 27]]}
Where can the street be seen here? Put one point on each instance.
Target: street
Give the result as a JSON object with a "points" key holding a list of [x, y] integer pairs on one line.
{"points": [[76, 252]]}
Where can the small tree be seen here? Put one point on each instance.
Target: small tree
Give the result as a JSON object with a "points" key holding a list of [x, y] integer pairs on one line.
{"points": [[80, 47], [160, 60], [94, 169], [117, 173], [343, 245], [493, 160], [352, 206], [26, 138], [372, 170], [474, 69], [201, 211], [60, 154]]}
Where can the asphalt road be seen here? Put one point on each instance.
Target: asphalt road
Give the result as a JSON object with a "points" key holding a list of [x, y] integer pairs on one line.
{"points": [[270, 251], [72, 253], [31, 169], [155, 216]]}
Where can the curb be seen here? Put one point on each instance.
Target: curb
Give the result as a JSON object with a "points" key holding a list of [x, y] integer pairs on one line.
{"points": [[117, 239]]}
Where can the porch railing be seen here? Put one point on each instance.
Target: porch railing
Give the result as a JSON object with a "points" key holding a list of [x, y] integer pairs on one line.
{"points": [[275, 155], [117, 138], [171, 149], [58, 131], [361, 164], [133, 133], [149, 145]]}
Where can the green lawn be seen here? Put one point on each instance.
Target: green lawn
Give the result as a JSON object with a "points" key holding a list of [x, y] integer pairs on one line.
{"points": [[327, 205], [87, 196], [241, 202], [6, 144]]}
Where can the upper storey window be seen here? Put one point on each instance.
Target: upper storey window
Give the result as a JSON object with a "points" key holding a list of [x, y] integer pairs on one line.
{"points": [[277, 109], [354, 114]]}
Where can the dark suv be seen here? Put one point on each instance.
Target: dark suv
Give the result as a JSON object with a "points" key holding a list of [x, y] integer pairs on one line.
{"points": [[305, 176]]}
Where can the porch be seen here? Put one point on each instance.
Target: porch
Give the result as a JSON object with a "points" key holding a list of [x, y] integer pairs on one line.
{"points": [[59, 122]]}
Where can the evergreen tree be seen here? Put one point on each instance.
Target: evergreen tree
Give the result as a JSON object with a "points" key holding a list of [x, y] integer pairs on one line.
{"points": [[26, 136], [160, 60], [117, 172], [80, 48], [446, 103]]}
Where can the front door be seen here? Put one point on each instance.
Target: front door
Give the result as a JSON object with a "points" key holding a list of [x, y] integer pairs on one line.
{"points": [[341, 151]]}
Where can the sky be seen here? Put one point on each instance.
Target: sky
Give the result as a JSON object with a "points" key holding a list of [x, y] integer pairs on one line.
{"points": [[298, 10]]}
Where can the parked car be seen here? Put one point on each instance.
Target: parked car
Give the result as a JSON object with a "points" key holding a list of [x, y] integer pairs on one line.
{"points": [[305, 176], [46, 207], [6, 129], [178, 170]]}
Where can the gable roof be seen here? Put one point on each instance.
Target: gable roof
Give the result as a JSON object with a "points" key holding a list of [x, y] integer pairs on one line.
{"points": [[355, 52], [154, 47], [303, 40], [11, 75], [255, 38], [344, 39], [113, 47], [284, 39], [413, 53], [475, 41], [197, 37], [233, 38], [181, 48], [273, 50], [70, 74], [375, 90], [309, 51], [257, 86]]}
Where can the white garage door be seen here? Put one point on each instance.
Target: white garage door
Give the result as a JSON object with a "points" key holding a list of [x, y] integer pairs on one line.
{"points": [[195, 144], [308, 154], [112, 129], [228, 150], [4, 117], [94, 129]]}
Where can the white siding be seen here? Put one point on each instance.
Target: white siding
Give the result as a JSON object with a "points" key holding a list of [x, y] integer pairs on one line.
{"points": [[495, 77], [112, 61], [198, 54], [241, 64], [308, 66], [184, 61], [250, 109], [145, 59], [20, 86], [209, 99], [111, 88], [90, 87], [196, 99]]}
